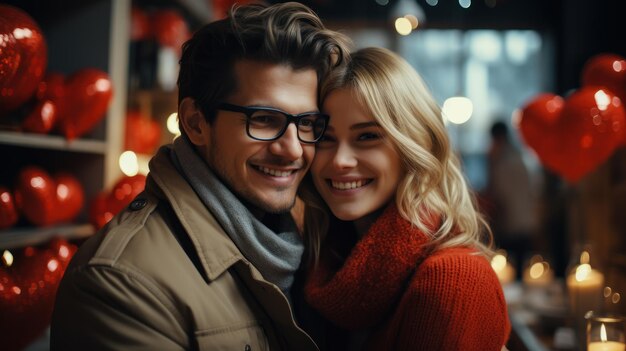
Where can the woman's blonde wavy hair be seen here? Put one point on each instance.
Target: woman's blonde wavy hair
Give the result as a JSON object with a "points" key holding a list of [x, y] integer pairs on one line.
{"points": [[433, 185]]}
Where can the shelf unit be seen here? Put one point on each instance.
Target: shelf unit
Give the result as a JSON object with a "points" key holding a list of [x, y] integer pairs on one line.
{"points": [[21, 237], [81, 34], [93, 34], [52, 142]]}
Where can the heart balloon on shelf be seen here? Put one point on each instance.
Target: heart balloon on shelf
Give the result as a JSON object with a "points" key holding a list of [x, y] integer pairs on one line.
{"points": [[101, 210], [125, 190], [8, 211], [574, 138], [28, 285], [140, 28], [41, 119], [87, 96], [221, 7], [106, 205], [607, 70], [70, 197], [35, 195], [52, 87], [23, 57], [170, 28], [143, 134]]}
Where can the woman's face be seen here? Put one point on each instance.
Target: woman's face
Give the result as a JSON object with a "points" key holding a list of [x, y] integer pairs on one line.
{"points": [[354, 169]]}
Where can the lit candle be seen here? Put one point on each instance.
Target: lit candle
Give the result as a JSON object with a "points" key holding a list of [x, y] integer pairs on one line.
{"points": [[604, 344], [584, 286], [504, 270], [538, 273]]}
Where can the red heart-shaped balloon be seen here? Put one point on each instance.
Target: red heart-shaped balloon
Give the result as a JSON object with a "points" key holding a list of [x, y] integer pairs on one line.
{"points": [[52, 87], [139, 24], [70, 197], [143, 134], [106, 205], [35, 195], [221, 7], [101, 210], [8, 211], [23, 57], [537, 122], [575, 137], [28, 285], [125, 190], [41, 119], [170, 28], [590, 128], [607, 70], [87, 94]]}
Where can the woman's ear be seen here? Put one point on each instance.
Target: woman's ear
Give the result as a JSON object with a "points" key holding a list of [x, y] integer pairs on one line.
{"points": [[193, 122]]}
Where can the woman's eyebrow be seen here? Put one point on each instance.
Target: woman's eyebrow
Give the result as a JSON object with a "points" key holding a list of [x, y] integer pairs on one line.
{"points": [[364, 125]]}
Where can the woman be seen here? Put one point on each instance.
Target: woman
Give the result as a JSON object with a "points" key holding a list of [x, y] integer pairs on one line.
{"points": [[403, 265]]}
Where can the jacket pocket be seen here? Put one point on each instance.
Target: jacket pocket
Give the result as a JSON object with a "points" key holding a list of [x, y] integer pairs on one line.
{"points": [[244, 337]]}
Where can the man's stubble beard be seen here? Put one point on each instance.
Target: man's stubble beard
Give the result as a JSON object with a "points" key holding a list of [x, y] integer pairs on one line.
{"points": [[244, 194]]}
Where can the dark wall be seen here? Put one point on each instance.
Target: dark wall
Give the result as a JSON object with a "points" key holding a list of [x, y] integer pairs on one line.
{"points": [[587, 28]]}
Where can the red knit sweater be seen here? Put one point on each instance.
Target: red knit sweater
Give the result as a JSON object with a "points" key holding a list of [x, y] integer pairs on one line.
{"points": [[408, 298]]}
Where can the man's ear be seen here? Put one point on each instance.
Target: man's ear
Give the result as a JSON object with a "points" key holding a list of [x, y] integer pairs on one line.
{"points": [[193, 122]]}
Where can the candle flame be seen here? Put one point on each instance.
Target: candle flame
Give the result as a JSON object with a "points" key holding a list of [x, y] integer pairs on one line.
{"points": [[583, 272], [603, 333], [537, 270], [584, 257]]}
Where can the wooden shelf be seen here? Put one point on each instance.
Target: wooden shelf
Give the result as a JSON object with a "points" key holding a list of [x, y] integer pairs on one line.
{"points": [[20, 237], [43, 141]]}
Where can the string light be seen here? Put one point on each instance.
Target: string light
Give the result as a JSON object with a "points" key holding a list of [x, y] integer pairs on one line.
{"points": [[128, 163]]}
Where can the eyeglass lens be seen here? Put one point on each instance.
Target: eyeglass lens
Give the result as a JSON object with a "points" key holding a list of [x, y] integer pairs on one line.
{"points": [[268, 125]]}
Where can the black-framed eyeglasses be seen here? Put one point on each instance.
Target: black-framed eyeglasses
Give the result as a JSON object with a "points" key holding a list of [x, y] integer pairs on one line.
{"points": [[267, 124]]}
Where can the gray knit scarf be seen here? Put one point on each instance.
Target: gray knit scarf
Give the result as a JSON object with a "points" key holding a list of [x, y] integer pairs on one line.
{"points": [[276, 253]]}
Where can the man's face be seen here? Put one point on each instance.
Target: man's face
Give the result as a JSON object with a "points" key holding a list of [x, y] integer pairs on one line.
{"points": [[263, 173]]}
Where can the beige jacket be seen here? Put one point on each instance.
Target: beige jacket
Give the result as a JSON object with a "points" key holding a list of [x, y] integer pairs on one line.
{"points": [[134, 287]]}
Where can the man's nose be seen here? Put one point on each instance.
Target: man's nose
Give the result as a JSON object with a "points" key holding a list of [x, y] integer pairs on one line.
{"points": [[288, 145]]}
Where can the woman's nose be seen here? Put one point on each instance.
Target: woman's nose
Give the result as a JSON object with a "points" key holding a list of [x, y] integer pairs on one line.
{"points": [[344, 157]]}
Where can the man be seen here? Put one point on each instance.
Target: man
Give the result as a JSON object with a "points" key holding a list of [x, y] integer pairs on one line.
{"points": [[205, 257]]}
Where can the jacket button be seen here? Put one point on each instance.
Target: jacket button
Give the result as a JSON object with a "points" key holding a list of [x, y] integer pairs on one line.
{"points": [[138, 204], [248, 348]]}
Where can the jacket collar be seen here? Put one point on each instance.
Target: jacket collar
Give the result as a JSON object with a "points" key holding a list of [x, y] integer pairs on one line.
{"points": [[214, 247]]}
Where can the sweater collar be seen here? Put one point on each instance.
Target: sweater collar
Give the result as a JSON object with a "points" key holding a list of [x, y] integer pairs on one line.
{"points": [[372, 279]]}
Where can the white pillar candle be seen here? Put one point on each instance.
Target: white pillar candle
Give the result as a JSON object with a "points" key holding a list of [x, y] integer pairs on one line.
{"points": [[608, 337], [584, 287], [606, 346]]}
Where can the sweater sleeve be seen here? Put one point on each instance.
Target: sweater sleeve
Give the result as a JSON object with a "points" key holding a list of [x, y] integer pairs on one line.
{"points": [[453, 302]]}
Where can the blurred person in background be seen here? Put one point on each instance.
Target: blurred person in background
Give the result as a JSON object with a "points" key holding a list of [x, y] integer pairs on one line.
{"points": [[509, 197]]}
